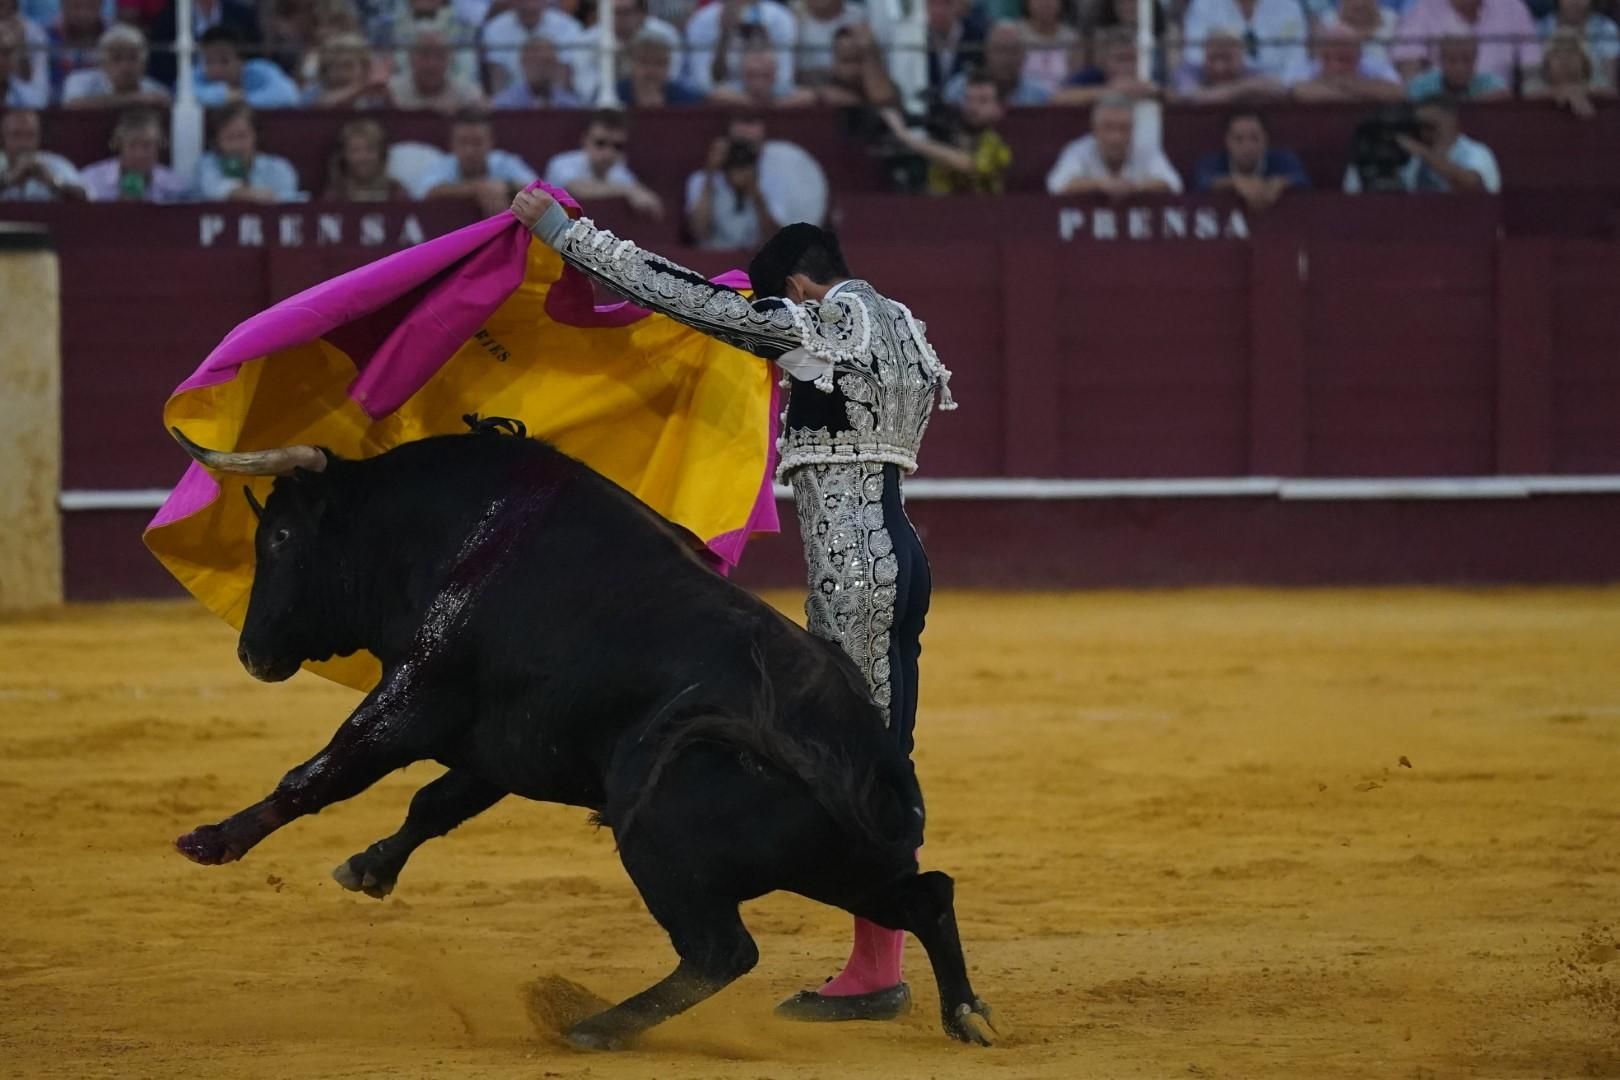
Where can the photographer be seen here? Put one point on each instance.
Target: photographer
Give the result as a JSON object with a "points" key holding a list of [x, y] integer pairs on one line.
{"points": [[1387, 157], [725, 209]]}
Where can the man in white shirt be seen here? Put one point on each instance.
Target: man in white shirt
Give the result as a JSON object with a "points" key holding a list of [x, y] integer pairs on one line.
{"points": [[474, 168], [426, 83], [15, 91], [631, 23], [503, 38], [1342, 71], [725, 209], [119, 80], [1444, 159], [1107, 162], [819, 23], [1273, 32], [29, 174], [597, 170], [718, 33]]}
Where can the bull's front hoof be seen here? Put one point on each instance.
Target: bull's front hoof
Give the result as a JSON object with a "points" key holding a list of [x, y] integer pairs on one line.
{"points": [[588, 1036], [972, 1024], [357, 875], [210, 845]]}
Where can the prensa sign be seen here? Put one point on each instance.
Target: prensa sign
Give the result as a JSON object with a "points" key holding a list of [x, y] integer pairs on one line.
{"points": [[1165, 222]]}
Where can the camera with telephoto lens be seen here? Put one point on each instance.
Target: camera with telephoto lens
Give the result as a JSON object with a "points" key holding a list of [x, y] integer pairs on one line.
{"points": [[1375, 154]]}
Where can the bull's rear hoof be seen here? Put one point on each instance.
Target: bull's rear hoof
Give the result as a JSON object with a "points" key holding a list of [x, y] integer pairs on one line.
{"points": [[811, 1007], [972, 1024], [354, 876], [585, 1036]]}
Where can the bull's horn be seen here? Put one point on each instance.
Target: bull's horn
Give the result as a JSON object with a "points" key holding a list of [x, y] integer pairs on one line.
{"points": [[277, 462]]}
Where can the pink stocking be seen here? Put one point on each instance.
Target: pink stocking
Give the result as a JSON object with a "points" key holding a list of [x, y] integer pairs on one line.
{"points": [[874, 964]]}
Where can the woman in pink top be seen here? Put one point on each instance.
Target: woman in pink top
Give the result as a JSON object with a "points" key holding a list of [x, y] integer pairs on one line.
{"points": [[1507, 36]]}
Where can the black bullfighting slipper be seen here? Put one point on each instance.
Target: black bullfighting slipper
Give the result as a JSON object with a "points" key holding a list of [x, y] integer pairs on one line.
{"points": [[890, 1004]]}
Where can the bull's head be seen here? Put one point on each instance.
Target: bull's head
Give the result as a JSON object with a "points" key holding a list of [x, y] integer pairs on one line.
{"points": [[291, 614]]}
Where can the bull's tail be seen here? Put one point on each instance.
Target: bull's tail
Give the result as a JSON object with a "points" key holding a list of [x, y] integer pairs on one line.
{"points": [[877, 799]]}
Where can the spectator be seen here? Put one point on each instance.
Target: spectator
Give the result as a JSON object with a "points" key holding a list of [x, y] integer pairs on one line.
{"points": [[345, 77], [1458, 75], [240, 15], [1272, 31], [224, 76], [1371, 21], [235, 171], [135, 175], [858, 76], [505, 35], [724, 206], [1443, 159], [74, 36], [1107, 163], [759, 87], [544, 81], [974, 158], [1598, 32], [820, 23], [475, 169], [119, 81], [358, 170], [719, 33], [791, 180], [956, 33], [650, 84], [1115, 78], [414, 18], [1051, 43], [28, 173], [426, 82], [1568, 75], [1502, 27], [630, 23], [1342, 72], [290, 32], [1249, 167], [1224, 76], [598, 170], [19, 93], [31, 61], [1004, 55], [1121, 15]]}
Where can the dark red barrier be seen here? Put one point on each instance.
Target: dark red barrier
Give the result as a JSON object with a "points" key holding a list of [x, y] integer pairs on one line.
{"points": [[1428, 344]]}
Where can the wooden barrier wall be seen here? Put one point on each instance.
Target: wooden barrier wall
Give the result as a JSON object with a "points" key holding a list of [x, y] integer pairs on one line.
{"points": [[1340, 337]]}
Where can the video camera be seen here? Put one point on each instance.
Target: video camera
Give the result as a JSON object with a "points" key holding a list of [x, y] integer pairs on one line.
{"points": [[1375, 154]]}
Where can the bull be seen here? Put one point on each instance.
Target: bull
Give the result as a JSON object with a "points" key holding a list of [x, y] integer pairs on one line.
{"points": [[544, 634]]}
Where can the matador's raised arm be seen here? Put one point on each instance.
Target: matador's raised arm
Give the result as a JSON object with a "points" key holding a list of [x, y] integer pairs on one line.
{"points": [[767, 329]]}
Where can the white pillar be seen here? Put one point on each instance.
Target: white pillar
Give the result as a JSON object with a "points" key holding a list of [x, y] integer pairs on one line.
{"points": [[607, 73], [186, 117], [1149, 115]]}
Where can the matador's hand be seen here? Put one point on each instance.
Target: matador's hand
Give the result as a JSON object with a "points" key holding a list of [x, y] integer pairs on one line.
{"points": [[530, 205]]}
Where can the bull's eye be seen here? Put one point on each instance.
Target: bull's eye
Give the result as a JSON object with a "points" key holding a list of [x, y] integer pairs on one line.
{"points": [[279, 537]]}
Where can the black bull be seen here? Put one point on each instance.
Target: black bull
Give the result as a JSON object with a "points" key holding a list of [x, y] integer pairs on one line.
{"points": [[544, 634]]}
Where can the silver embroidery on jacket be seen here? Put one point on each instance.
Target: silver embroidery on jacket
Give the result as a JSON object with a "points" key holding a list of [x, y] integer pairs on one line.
{"points": [[852, 565]]}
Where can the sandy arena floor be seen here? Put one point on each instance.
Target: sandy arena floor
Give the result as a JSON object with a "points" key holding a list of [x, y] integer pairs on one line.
{"points": [[1185, 838]]}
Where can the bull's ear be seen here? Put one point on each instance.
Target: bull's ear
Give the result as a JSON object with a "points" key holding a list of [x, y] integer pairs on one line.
{"points": [[253, 504]]}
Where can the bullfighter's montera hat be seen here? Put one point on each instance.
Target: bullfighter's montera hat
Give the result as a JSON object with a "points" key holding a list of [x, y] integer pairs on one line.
{"points": [[768, 271]]}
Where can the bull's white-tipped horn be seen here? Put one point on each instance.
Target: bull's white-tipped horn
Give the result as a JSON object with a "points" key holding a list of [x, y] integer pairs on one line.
{"points": [[277, 462]]}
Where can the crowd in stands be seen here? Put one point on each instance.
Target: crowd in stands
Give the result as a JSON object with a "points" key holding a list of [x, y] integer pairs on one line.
{"points": [[1413, 59]]}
